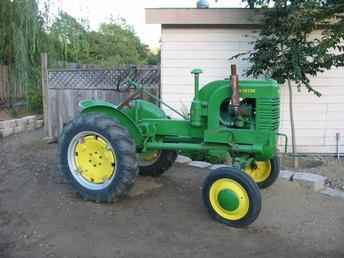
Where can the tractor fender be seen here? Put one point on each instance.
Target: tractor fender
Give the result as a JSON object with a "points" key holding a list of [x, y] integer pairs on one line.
{"points": [[111, 111], [141, 109]]}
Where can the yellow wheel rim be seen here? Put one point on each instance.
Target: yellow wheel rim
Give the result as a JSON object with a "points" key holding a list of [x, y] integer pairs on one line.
{"points": [[95, 159], [261, 172], [150, 155], [148, 158], [226, 184]]}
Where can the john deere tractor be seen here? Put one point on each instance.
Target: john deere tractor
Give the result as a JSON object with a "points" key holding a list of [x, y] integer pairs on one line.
{"points": [[103, 150]]}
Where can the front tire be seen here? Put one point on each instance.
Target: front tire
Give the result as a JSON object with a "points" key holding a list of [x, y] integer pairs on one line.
{"points": [[231, 197], [97, 156]]}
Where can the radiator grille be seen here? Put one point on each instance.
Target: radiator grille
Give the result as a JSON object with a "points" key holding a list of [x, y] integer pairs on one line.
{"points": [[268, 113]]}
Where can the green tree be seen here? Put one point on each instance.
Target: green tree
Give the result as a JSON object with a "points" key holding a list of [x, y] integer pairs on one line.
{"points": [[68, 39], [25, 32], [116, 43], [153, 57], [286, 52], [21, 40]]}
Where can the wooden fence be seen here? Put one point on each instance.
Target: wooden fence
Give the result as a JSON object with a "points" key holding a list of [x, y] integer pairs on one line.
{"points": [[67, 87]]}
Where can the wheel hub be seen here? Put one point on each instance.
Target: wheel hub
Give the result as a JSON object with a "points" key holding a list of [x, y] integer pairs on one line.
{"points": [[94, 159], [228, 200]]}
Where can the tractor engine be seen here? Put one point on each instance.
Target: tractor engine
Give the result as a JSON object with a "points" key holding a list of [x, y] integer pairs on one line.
{"points": [[236, 112], [248, 109], [231, 118], [239, 109]]}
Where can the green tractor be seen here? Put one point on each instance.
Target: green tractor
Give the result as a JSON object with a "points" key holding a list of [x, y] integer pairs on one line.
{"points": [[103, 150]]}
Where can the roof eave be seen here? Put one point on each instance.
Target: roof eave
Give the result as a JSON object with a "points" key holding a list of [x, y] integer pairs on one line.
{"points": [[209, 16]]}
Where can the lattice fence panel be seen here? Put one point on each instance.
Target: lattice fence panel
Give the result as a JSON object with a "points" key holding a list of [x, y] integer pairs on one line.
{"points": [[102, 79]]}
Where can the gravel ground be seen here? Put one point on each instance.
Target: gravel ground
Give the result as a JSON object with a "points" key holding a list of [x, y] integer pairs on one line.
{"points": [[334, 170], [330, 167], [164, 217]]}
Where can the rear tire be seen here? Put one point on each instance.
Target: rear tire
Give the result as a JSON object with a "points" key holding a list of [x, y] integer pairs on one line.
{"points": [[106, 176], [157, 167]]}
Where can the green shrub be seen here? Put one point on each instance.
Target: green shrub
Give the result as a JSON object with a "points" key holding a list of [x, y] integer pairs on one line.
{"points": [[13, 113], [35, 100]]}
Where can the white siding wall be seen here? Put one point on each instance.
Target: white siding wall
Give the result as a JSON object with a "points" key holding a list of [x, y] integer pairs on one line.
{"points": [[317, 119]]}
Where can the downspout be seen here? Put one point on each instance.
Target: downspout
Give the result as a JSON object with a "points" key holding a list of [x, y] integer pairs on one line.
{"points": [[338, 145]]}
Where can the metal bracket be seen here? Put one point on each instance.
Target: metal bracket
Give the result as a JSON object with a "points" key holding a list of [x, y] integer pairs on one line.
{"points": [[285, 141], [242, 162]]}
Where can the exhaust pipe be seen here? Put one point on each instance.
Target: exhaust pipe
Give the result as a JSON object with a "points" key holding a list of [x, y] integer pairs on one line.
{"points": [[235, 99]]}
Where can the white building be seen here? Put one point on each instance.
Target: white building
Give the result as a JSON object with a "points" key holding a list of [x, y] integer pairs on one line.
{"points": [[206, 38]]}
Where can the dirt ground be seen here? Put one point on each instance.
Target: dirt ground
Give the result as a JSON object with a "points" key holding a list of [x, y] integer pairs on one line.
{"points": [[164, 217]]}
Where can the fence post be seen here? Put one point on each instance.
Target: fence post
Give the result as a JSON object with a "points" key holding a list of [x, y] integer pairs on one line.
{"points": [[44, 71]]}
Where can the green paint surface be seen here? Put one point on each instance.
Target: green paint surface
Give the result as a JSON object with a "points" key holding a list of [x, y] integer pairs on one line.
{"points": [[228, 200]]}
